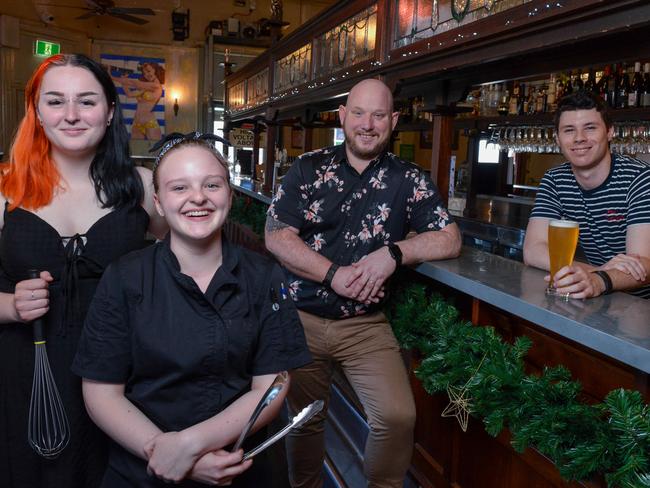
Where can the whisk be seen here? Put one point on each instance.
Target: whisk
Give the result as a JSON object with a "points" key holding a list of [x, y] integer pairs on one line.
{"points": [[48, 430]]}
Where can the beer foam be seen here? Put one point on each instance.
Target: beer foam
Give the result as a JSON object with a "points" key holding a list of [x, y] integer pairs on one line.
{"points": [[563, 223]]}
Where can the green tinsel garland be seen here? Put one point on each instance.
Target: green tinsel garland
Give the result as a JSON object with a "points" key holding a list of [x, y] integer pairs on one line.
{"points": [[612, 438], [249, 212]]}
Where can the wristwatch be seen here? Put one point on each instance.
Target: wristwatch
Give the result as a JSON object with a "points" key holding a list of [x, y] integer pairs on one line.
{"points": [[395, 253]]}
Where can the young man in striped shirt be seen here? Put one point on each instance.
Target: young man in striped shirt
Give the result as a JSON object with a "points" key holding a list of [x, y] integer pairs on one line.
{"points": [[607, 194]]}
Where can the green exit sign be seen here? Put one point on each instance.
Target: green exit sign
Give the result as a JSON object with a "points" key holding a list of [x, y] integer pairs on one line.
{"points": [[46, 48]]}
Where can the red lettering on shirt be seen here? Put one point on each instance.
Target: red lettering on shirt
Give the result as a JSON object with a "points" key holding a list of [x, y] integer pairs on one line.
{"points": [[614, 216]]}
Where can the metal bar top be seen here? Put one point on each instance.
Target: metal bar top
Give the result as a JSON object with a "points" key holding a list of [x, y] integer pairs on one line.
{"points": [[616, 325]]}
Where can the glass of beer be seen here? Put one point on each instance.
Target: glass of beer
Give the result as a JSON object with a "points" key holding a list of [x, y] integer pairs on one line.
{"points": [[562, 242]]}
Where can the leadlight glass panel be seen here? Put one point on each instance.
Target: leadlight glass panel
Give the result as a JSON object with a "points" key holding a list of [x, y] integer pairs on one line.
{"points": [[348, 44], [421, 19], [293, 70], [258, 88], [237, 96]]}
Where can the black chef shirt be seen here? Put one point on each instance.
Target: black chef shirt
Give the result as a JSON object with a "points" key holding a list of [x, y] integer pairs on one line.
{"points": [[183, 355], [344, 215]]}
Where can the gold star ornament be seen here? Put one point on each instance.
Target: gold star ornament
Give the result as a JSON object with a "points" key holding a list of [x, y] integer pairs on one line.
{"points": [[459, 406]]}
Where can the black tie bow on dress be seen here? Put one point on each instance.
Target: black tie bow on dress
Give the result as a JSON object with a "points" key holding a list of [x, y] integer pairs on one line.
{"points": [[74, 255]]}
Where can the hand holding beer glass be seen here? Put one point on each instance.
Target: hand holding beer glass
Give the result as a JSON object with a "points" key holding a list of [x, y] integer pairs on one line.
{"points": [[562, 242]]}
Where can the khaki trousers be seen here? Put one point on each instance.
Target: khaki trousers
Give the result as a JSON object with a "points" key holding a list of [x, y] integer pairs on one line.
{"points": [[368, 353]]}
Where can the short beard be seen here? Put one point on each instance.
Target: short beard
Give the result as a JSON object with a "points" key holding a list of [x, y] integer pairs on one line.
{"points": [[366, 155]]}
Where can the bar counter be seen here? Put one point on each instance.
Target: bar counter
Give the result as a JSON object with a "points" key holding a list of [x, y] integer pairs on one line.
{"points": [[251, 188], [616, 325]]}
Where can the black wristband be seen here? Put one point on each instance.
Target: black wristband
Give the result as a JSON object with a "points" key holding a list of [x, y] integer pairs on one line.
{"points": [[330, 275], [395, 253], [609, 286]]}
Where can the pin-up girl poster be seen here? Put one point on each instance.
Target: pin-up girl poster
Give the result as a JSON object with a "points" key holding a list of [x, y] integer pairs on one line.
{"points": [[140, 85]]}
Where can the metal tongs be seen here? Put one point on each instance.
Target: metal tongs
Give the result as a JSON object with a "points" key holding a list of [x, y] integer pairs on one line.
{"points": [[301, 418], [270, 395]]}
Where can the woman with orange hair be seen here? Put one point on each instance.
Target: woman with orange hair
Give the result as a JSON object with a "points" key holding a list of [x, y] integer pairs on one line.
{"points": [[72, 202]]}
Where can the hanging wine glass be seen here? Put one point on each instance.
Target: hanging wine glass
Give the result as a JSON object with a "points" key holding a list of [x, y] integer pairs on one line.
{"points": [[488, 4], [511, 137], [494, 137], [644, 138], [615, 143]]}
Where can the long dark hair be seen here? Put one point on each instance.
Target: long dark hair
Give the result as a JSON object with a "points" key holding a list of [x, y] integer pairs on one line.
{"points": [[116, 181], [30, 177]]}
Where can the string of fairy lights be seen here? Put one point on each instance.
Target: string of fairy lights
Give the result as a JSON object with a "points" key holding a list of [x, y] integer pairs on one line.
{"points": [[335, 57]]}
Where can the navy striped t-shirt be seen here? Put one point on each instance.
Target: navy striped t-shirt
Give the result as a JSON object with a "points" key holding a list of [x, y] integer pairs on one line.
{"points": [[605, 212]]}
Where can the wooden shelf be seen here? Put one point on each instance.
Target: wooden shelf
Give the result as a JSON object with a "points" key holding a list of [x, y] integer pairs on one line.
{"points": [[484, 122], [319, 124], [424, 125]]}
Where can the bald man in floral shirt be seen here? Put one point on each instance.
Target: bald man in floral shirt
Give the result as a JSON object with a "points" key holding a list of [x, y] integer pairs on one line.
{"points": [[338, 225]]}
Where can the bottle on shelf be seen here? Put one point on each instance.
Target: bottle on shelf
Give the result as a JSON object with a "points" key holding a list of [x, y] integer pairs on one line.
{"points": [[482, 100], [636, 87], [529, 104], [568, 85], [495, 98], [645, 94], [590, 84], [623, 88], [474, 98], [560, 87], [513, 103], [521, 104], [612, 86], [540, 101], [551, 94], [502, 109], [601, 87], [578, 84]]}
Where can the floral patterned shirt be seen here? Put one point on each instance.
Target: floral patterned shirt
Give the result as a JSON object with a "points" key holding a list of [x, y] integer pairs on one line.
{"points": [[344, 216]]}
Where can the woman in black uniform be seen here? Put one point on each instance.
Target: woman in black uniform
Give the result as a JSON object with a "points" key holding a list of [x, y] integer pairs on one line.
{"points": [[71, 202], [183, 338]]}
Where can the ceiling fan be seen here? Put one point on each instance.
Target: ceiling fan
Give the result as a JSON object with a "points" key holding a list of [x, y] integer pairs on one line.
{"points": [[107, 7]]}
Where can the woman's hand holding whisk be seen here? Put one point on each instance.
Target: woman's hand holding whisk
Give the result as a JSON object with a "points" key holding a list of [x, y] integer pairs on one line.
{"points": [[32, 297]]}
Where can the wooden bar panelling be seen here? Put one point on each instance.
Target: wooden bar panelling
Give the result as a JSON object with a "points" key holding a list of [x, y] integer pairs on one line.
{"points": [[445, 456], [549, 349]]}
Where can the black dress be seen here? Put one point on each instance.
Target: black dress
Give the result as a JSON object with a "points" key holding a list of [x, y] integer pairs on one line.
{"points": [[76, 264]]}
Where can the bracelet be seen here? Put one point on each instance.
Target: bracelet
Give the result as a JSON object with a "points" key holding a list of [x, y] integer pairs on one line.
{"points": [[395, 253], [327, 281], [609, 286]]}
